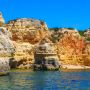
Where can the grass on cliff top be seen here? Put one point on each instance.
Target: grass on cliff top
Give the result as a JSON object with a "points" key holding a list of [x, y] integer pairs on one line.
{"points": [[81, 32], [88, 39]]}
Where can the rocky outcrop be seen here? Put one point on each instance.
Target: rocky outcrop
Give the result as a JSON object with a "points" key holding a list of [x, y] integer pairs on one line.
{"points": [[27, 30], [46, 56], [4, 66], [71, 48], [26, 33], [6, 50], [29, 34], [2, 21], [87, 33], [28, 41], [24, 55], [6, 45], [87, 52]]}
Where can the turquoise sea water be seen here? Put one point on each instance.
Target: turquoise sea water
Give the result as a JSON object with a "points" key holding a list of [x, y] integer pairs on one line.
{"points": [[46, 80]]}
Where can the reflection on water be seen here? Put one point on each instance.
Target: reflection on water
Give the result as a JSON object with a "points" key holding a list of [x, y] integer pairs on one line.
{"points": [[46, 80]]}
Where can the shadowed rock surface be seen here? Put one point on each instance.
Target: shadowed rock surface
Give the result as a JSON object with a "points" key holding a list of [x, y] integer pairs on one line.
{"points": [[45, 56]]}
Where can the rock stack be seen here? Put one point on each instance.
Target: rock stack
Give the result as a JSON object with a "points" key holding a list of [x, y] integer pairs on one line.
{"points": [[46, 56]]}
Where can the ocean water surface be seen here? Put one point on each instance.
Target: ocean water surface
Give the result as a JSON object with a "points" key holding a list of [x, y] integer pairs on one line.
{"points": [[46, 80]]}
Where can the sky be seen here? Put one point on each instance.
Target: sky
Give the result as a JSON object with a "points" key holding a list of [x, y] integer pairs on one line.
{"points": [[56, 13]]}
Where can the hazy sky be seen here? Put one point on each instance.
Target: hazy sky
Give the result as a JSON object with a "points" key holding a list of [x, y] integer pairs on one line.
{"points": [[56, 13]]}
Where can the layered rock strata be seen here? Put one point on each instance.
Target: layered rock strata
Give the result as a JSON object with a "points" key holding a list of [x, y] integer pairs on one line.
{"points": [[26, 33], [71, 48]]}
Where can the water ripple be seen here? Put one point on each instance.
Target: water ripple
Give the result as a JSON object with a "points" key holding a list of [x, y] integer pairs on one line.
{"points": [[46, 80]]}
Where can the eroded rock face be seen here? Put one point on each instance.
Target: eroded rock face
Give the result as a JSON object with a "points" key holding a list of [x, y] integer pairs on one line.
{"points": [[71, 48], [24, 55], [57, 34], [6, 50], [4, 66], [29, 33], [27, 30], [26, 33], [46, 56], [6, 45], [87, 56], [2, 21], [87, 33]]}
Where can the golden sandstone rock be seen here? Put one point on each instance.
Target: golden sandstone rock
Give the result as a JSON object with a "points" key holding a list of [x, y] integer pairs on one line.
{"points": [[6, 48], [71, 48], [2, 22], [19, 38], [26, 33], [27, 30]]}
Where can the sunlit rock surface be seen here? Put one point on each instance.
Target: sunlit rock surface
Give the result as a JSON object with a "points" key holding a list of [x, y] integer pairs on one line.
{"points": [[2, 21], [6, 45], [29, 35], [6, 50], [23, 56], [26, 33], [27, 30], [4, 66], [71, 48]]}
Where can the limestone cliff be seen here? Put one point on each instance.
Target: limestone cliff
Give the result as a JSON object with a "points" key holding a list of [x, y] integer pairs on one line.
{"points": [[6, 45], [27, 30], [26, 33], [71, 47]]}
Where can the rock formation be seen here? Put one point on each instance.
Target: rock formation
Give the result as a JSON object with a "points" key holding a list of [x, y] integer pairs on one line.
{"points": [[4, 66], [87, 33], [6, 45], [71, 48], [27, 30], [26, 33], [26, 41], [6, 50], [46, 56], [2, 22], [23, 56]]}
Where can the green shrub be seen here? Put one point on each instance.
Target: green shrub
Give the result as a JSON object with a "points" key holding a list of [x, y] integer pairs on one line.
{"points": [[88, 39], [81, 33]]}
